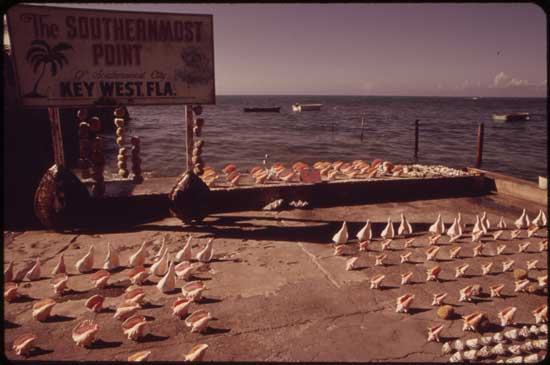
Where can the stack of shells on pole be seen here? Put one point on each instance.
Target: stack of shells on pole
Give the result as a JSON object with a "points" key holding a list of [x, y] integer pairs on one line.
{"points": [[119, 123], [85, 145], [136, 160], [98, 160], [198, 163]]}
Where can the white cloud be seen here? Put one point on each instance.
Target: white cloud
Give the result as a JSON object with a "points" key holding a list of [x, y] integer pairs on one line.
{"points": [[503, 81]]}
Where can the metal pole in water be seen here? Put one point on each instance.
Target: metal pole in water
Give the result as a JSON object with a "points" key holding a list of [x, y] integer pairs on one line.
{"points": [[416, 127], [479, 152]]}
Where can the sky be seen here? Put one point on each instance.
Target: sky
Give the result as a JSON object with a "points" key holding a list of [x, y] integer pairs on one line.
{"points": [[424, 49]]}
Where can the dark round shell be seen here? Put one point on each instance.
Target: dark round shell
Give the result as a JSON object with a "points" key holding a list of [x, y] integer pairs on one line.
{"points": [[189, 198]]}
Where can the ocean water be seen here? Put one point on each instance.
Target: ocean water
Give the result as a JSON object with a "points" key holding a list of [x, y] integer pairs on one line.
{"points": [[448, 133]]}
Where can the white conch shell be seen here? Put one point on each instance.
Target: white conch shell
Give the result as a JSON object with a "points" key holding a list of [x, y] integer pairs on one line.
{"points": [[23, 344], [521, 285], [42, 309], [365, 234], [541, 313], [484, 220], [515, 360], [484, 352], [100, 278], [84, 333], [524, 332], [34, 272], [458, 345], [497, 234], [511, 334], [404, 302], [461, 270], [515, 350], [500, 249], [405, 256], [95, 303], [523, 246], [486, 340], [162, 250], [405, 227], [180, 307], [476, 236], [206, 254], [59, 283], [139, 356], [196, 353], [531, 231], [515, 234], [433, 332], [533, 358], [433, 273], [376, 280], [523, 221], [351, 263], [477, 227], [341, 236], [386, 243], [543, 281], [8, 273], [454, 251], [185, 254], [466, 294], [363, 245], [138, 258], [408, 243], [22, 272], [502, 223], [543, 245], [134, 327], [193, 290], [438, 227], [499, 350], [540, 344], [10, 291], [459, 221], [446, 348], [473, 344], [339, 250], [507, 265], [496, 290], [380, 260], [160, 267], [125, 310], [472, 321], [184, 270], [198, 320], [486, 268], [454, 230], [406, 278], [112, 260], [168, 282], [388, 231], [506, 316], [438, 298], [478, 250], [86, 263], [540, 219], [60, 266], [135, 295], [456, 357], [431, 252], [532, 264], [499, 338], [138, 275], [470, 355], [434, 239]]}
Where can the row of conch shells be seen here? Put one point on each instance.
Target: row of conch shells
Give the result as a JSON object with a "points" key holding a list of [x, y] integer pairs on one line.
{"points": [[365, 233]]}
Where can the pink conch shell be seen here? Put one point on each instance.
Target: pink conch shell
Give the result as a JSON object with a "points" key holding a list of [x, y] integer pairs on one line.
{"points": [[515, 234], [42, 309], [523, 246], [185, 254], [541, 313], [543, 281], [125, 310], [86, 263], [100, 278], [486, 268], [507, 265], [496, 290], [139, 356], [521, 285], [160, 267], [386, 243], [184, 270], [380, 260], [431, 252], [59, 283], [8, 273], [207, 253], [376, 280], [60, 266], [433, 332], [405, 256], [138, 258], [365, 233], [339, 250], [180, 307], [406, 278], [351, 263], [532, 264], [196, 353], [405, 227], [134, 327], [193, 290], [34, 272], [500, 249], [438, 298], [472, 321], [162, 250], [433, 273], [10, 291], [95, 303], [168, 281], [506, 316], [543, 245], [478, 250], [198, 320], [84, 333], [531, 231], [453, 253], [134, 295], [404, 302], [341, 237], [364, 245], [112, 260], [23, 344], [461, 270], [466, 294], [434, 239], [388, 231], [408, 243], [138, 275]]}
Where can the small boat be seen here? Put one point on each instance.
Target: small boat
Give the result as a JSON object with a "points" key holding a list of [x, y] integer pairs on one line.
{"points": [[305, 107], [274, 109], [511, 117]]}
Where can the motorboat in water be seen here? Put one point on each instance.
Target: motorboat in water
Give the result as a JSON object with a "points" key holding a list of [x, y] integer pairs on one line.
{"points": [[305, 107], [274, 109], [511, 117]]}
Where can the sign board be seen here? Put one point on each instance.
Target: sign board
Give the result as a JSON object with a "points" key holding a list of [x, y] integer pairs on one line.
{"points": [[73, 57]]}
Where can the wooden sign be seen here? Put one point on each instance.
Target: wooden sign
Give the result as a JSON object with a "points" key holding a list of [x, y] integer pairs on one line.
{"points": [[73, 57]]}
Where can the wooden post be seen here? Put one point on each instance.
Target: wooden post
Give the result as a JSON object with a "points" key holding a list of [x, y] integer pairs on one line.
{"points": [[479, 152], [189, 128], [57, 139], [416, 127]]}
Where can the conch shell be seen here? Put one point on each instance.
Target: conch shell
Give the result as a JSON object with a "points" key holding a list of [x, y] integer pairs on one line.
{"points": [[23, 344], [506, 316], [408, 243], [185, 253], [139, 356], [351, 263], [138, 258], [100, 278], [472, 321], [478, 250], [507, 265], [160, 267], [365, 234], [454, 251], [406, 278], [521, 285], [180, 307], [431, 252], [198, 320], [380, 260], [438, 227], [95, 303], [196, 353], [363, 245], [531, 231], [112, 260], [59, 283], [496, 290], [34, 272], [404, 302], [434, 239], [10, 291], [540, 219], [184, 270], [438, 298], [497, 234], [386, 243], [499, 350], [206, 254], [405, 227], [511, 334], [486, 268], [473, 344], [523, 221], [433, 332], [541, 313], [543, 281], [134, 327], [42, 309], [433, 273], [502, 223], [138, 275], [543, 245], [405, 256], [168, 281], [339, 250], [454, 230], [500, 249], [515, 234], [376, 280], [84, 333], [388, 231], [162, 250], [134, 295], [86, 263], [193, 290], [60, 266], [125, 310], [523, 246], [461, 270], [532, 264], [341, 236], [8, 273], [466, 294]]}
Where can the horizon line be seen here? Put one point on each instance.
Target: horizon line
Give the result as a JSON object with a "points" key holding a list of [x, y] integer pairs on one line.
{"points": [[401, 96]]}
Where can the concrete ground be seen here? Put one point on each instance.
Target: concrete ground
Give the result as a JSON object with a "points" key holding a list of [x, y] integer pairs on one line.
{"points": [[275, 289]]}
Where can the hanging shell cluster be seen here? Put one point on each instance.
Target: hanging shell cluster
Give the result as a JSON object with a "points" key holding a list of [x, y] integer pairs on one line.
{"points": [[196, 159], [121, 158], [136, 160]]}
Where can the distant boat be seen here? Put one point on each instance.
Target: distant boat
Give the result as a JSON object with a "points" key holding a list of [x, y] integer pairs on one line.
{"points": [[475, 98], [274, 109], [305, 107], [511, 117]]}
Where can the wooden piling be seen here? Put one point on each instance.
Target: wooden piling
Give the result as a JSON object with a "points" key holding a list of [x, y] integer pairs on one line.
{"points": [[479, 152], [416, 127]]}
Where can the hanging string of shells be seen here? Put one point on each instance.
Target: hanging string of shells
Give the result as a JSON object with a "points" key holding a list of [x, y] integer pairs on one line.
{"points": [[198, 163], [136, 160], [119, 123], [85, 146]]}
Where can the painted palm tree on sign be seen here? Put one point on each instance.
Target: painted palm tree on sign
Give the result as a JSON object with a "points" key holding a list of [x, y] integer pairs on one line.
{"points": [[41, 54]]}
